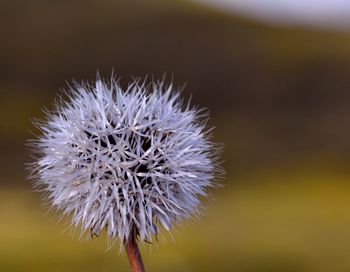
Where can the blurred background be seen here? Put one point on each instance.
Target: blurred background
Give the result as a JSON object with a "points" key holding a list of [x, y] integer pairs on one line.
{"points": [[275, 76]]}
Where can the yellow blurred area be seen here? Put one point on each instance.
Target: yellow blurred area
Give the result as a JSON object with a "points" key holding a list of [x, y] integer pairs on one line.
{"points": [[271, 221]]}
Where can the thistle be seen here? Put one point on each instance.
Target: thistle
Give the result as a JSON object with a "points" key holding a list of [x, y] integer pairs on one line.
{"points": [[129, 162]]}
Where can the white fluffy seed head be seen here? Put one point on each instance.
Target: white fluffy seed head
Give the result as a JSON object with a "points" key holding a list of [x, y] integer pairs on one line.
{"points": [[125, 161]]}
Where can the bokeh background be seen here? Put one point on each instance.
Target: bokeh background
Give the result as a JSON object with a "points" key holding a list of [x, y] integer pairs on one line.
{"points": [[278, 88]]}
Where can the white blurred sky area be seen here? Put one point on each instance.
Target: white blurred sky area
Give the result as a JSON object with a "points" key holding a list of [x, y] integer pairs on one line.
{"points": [[325, 13]]}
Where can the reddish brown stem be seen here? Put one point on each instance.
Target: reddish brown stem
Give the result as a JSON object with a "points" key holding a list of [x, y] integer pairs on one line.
{"points": [[134, 255]]}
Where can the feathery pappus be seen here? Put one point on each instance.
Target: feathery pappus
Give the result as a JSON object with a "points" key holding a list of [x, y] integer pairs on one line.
{"points": [[127, 161]]}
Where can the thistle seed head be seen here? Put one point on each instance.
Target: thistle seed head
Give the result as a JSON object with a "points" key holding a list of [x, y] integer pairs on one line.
{"points": [[125, 161]]}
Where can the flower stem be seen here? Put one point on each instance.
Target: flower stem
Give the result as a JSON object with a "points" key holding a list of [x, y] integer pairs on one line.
{"points": [[134, 255]]}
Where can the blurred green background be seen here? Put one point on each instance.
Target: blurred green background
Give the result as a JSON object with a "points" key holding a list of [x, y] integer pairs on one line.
{"points": [[279, 98]]}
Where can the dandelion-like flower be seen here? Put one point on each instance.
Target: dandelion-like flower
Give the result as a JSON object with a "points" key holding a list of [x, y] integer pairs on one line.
{"points": [[125, 161]]}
